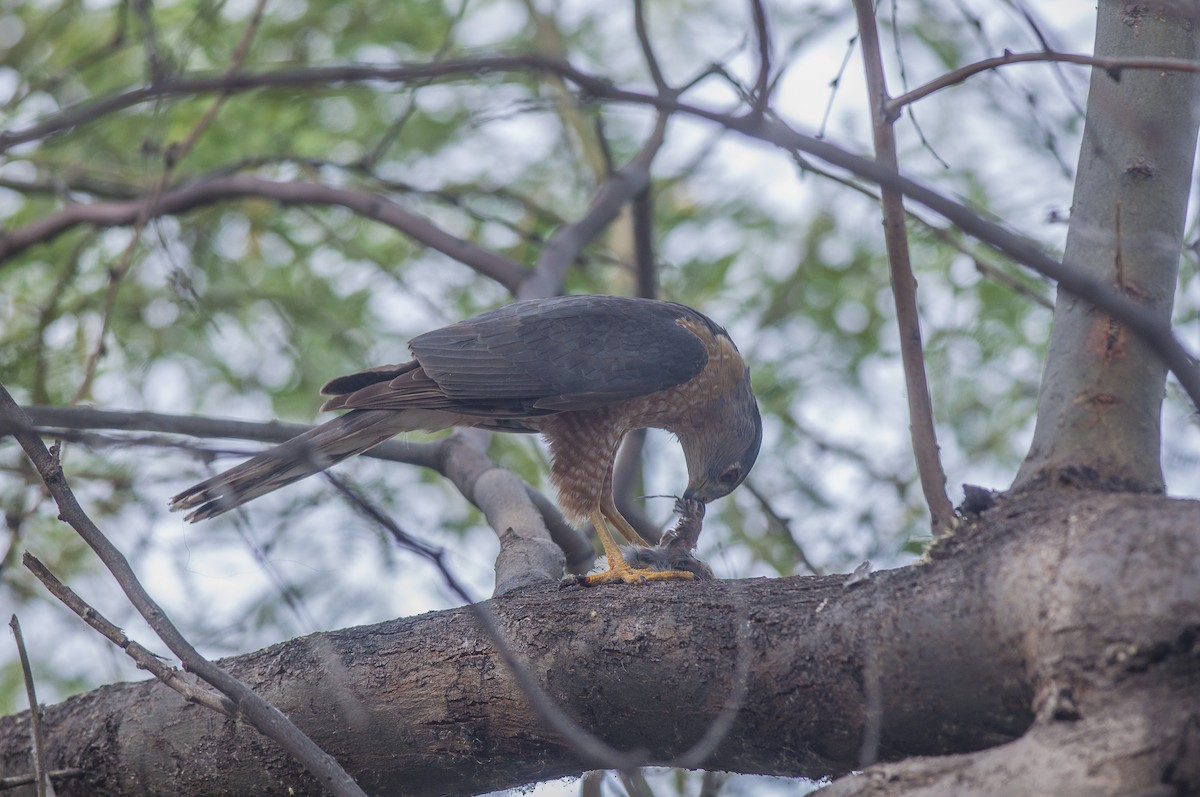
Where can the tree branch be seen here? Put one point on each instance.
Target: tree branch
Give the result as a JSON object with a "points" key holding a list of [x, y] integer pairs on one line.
{"points": [[570, 239], [762, 84], [1070, 277], [89, 111], [433, 686], [1114, 67], [208, 190], [37, 739], [262, 715], [462, 467], [145, 660], [904, 287]]}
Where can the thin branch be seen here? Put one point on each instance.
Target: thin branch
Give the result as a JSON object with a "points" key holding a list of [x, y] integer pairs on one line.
{"points": [[144, 659], [762, 34], [569, 240], [904, 287], [48, 421], [1071, 278], [177, 152], [627, 469], [710, 784], [643, 244], [457, 69], [639, 23], [1114, 67], [982, 265], [155, 69], [835, 83], [37, 739], [212, 189], [785, 529], [258, 712]]}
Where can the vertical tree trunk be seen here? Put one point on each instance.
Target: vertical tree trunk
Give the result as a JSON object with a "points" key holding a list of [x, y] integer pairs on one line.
{"points": [[1101, 395]]}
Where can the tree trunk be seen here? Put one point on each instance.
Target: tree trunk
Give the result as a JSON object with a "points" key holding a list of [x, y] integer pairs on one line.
{"points": [[1101, 394], [1087, 610]]}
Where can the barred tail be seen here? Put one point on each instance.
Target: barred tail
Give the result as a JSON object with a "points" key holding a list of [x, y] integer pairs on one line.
{"points": [[309, 453]]}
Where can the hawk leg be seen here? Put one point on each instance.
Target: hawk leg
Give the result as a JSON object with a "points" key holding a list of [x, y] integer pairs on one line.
{"points": [[618, 568], [609, 509]]}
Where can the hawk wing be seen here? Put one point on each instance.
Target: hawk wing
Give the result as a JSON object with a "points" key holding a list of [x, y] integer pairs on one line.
{"points": [[538, 357]]}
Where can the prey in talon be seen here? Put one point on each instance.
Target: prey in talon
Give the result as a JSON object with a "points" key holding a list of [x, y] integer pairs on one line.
{"points": [[673, 552]]}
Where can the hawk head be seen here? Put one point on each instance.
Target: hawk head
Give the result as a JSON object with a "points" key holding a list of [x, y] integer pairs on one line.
{"points": [[720, 454]]}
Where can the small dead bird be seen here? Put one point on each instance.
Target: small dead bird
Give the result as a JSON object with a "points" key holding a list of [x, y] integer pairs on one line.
{"points": [[674, 550]]}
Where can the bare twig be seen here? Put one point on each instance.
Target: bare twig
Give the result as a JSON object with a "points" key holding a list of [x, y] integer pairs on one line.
{"points": [[785, 529], [258, 712], [982, 265], [177, 152], [639, 23], [173, 155], [643, 244], [220, 188], [155, 69], [711, 783], [47, 419], [44, 787], [835, 83], [144, 659], [762, 34], [904, 287], [1114, 67], [635, 783]]}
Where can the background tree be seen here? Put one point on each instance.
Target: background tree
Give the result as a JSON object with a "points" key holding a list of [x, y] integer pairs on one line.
{"points": [[211, 209]]}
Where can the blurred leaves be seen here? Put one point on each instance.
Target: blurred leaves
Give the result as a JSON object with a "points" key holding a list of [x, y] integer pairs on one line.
{"points": [[245, 307]]}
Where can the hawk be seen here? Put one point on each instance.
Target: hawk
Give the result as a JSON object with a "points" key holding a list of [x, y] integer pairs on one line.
{"points": [[583, 371]]}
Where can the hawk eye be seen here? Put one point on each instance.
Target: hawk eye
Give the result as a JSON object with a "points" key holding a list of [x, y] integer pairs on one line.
{"points": [[731, 475]]}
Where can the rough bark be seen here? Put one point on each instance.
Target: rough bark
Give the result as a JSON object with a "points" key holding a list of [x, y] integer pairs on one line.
{"points": [[1101, 393], [1050, 646]]}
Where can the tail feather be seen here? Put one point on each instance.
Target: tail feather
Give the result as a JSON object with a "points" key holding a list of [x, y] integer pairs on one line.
{"points": [[309, 453]]}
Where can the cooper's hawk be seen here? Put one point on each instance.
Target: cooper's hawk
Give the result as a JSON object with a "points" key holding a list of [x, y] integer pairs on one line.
{"points": [[582, 370]]}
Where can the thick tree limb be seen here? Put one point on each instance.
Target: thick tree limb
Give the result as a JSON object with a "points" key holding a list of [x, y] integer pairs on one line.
{"points": [[1054, 603]]}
